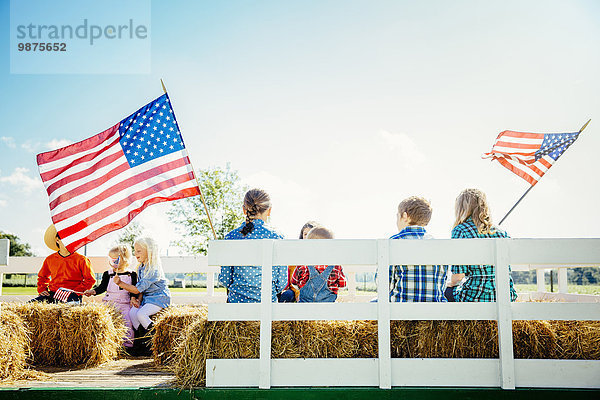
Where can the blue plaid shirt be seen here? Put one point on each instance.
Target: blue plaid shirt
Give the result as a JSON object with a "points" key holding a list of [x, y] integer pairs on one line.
{"points": [[243, 283], [480, 284], [416, 282]]}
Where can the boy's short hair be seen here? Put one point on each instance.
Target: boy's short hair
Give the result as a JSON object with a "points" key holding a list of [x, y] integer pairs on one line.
{"points": [[418, 209], [319, 232]]}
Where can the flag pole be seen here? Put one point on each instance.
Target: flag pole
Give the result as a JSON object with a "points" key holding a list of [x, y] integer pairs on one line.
{"points": [[585, 125], [531, 187], [516, 204], [197, 182]]}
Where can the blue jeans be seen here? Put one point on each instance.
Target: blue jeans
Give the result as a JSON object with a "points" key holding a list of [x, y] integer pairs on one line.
{"points": [[287, 296]]}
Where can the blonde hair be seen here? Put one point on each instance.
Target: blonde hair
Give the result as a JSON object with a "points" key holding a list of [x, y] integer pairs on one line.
{"points": [[153, 262], [418, 209], [320, 232], [124, 252], [472, 203]]}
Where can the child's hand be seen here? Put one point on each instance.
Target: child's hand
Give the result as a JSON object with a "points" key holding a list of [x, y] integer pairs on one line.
{"points": [[90, 292], [296, 292], [117, 280], [45, 293], [134, 302]]}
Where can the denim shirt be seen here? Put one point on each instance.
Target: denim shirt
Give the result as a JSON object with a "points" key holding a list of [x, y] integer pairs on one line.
{"points": [[243, 282], [153, 286]]}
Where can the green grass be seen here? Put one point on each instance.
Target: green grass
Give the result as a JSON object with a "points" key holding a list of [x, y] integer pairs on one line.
{"points": [[579, 289], [19, 290]]}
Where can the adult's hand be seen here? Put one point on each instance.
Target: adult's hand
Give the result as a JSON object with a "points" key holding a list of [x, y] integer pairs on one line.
{"points": [[117, 280]]}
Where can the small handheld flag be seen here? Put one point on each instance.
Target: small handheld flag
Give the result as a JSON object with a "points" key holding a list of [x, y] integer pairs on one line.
{"points": [[100, 184], [62, 294]]}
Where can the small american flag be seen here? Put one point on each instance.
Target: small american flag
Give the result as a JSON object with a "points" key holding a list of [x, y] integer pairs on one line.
{"points": [[530, 155], [100, 184], [63, 294]]}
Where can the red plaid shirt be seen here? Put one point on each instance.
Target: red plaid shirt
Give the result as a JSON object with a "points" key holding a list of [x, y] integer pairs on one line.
{"points": [[336, 278]]}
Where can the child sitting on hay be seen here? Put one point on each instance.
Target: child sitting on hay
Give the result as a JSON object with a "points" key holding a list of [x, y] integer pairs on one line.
{"points": [[318, 283], [415, 283], [152, 284], [119, 258], [243, 282], [63, 271]]}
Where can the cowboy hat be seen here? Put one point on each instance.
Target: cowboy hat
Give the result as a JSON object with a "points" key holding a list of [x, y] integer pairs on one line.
{"points": [[50, 238]]}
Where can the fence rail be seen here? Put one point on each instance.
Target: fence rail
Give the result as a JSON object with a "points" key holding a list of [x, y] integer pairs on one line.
{"points": [[199, 264], [384, 371]]}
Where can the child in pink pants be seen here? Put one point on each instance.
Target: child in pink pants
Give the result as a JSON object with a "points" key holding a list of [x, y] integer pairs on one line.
{"points": [[118, 259]]}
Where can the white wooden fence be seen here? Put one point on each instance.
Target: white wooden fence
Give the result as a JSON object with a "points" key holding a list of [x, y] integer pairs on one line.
{"points": [[171, 264], [384, 371], [199, 264]]}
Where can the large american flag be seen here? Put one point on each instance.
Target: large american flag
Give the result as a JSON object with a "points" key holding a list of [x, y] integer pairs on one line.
{"points": [[530, 155], [100, 184]]}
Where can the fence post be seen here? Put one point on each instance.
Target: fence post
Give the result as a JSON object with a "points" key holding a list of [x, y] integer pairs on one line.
{"points": [[4, 252], [210, 283], [264, 376], [351, 279], [541, 279], [505, 339], [383, 313], [562, 281]]}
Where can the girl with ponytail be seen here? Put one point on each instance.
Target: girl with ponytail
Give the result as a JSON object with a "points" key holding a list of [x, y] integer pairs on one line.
{"points": [[243, 282], [474, 220]]}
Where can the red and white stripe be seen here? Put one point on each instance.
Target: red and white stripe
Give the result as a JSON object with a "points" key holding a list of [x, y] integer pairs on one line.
{"points": [[516, 151], [530, 172], [62, 294], [518, 145], [93, 190]]}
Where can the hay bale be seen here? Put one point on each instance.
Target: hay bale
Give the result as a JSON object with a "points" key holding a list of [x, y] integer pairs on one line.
{"points": [[358, 339], [470, 339], [41, 320], [14, 346], [403, 339], [72, 334], [290, 339], [89, 335], [168, 327], [334, 339], [577, 340], [454, 339], [535, 340]]}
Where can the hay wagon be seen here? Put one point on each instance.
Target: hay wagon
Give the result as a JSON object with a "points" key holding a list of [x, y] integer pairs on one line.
{"points": [[384, 376]]}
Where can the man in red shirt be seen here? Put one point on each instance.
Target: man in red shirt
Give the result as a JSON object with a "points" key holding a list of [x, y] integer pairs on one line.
{"points": [[63, 269]]}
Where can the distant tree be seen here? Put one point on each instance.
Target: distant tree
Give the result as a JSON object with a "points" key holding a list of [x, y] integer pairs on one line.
{"points": [[524, 277], [223, 194], [584, 275], [130, 233], [17, 249]]}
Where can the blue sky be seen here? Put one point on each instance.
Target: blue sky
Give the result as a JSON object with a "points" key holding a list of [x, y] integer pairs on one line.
{"points": [[339, 109]]}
